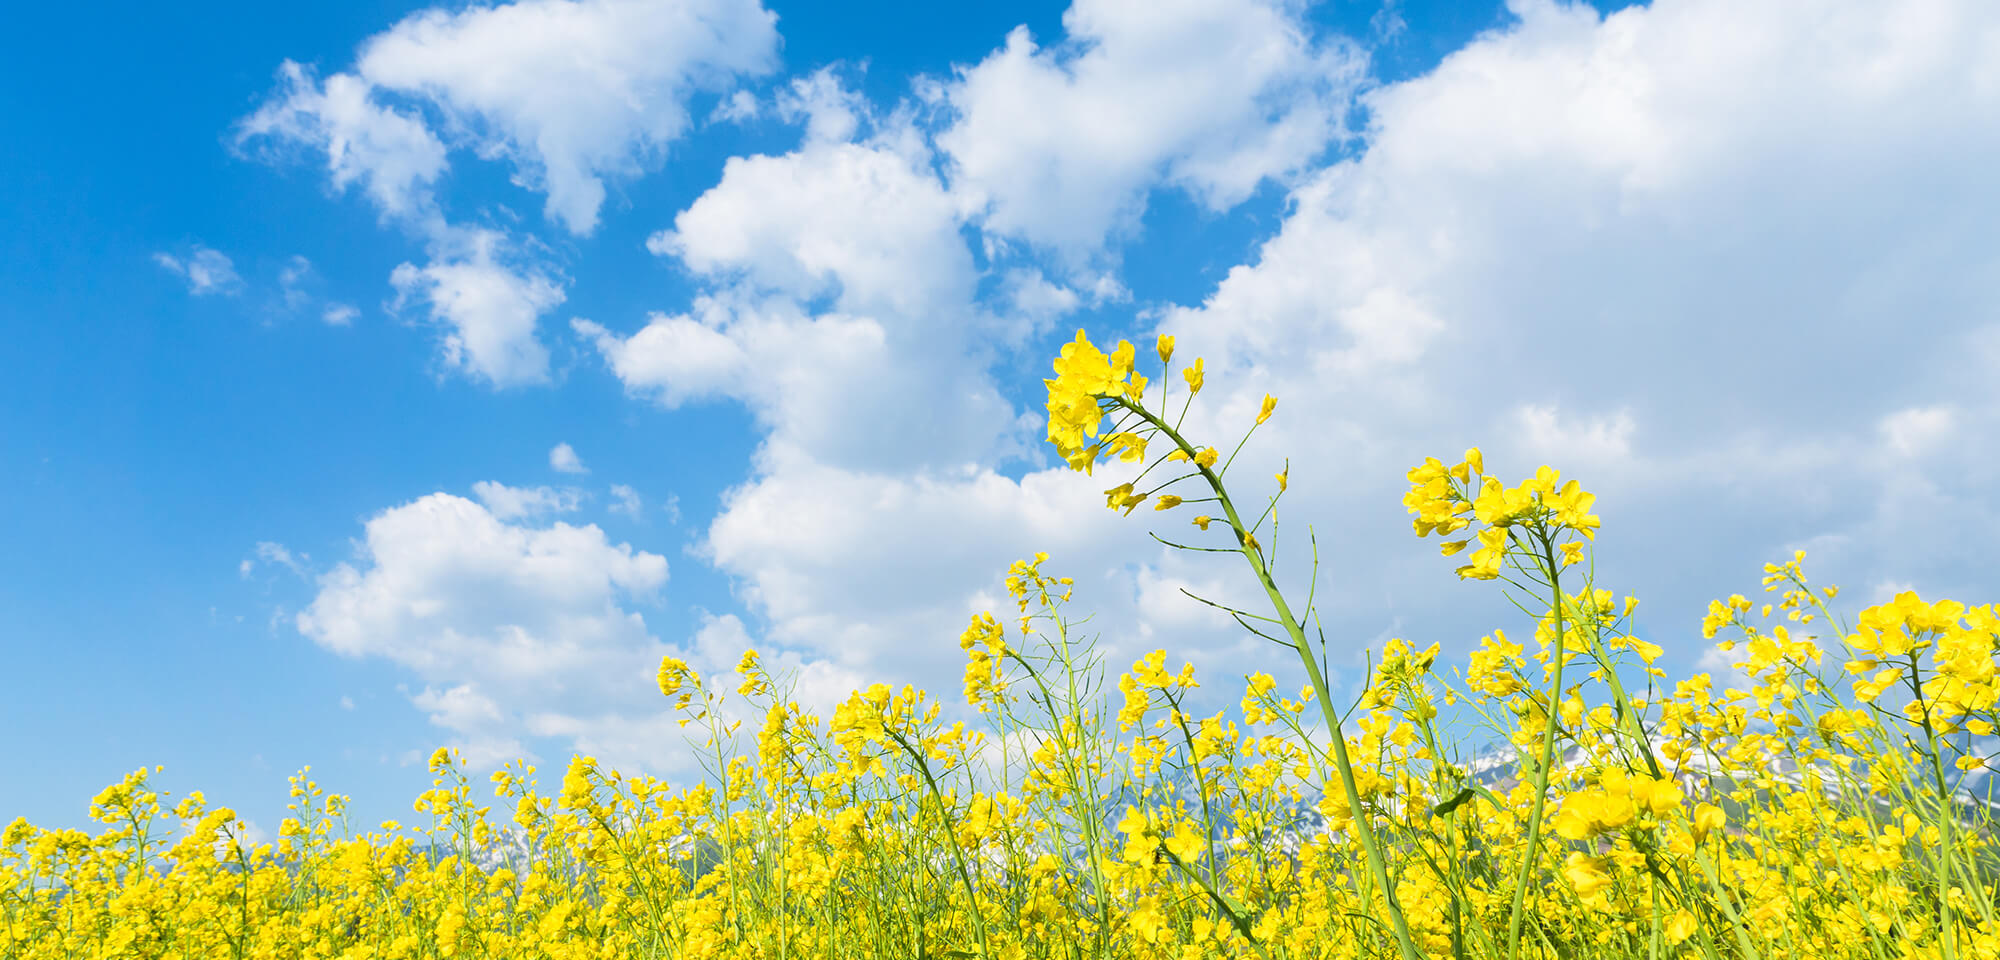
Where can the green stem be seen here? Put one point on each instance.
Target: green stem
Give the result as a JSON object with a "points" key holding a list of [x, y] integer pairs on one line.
{"points": [[957, 855], [1941, 860], [1554, 710]]}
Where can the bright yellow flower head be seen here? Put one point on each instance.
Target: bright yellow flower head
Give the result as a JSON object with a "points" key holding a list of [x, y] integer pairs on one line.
{"points": [[1123, 497], [1587, 874], [673, 675], [1085, 376]]}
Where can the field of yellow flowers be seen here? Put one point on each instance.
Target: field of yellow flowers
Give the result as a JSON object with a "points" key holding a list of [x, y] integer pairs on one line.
{"points": [[1809, 806]]}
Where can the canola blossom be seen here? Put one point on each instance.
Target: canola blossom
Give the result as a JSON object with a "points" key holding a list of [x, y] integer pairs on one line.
{"points": [[1556, 795]]}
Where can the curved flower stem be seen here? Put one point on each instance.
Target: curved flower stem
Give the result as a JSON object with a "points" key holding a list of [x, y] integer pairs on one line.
{"points": [[1296, 634], [951, 840]]}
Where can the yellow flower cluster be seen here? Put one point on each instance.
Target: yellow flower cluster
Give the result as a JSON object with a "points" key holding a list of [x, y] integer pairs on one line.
{"points": [[1085, 379], [1446, 500]]}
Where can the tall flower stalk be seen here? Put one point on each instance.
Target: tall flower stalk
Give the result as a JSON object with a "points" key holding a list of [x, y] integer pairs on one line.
{"points": [[1089, 386]]}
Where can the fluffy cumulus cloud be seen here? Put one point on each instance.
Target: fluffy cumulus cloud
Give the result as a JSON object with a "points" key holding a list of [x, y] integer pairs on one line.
{"points": [[485, 308], [840, 309], [572, 91], [572, 94], [390, 152], [509, 624], [1690, 271], [1061, 144]]}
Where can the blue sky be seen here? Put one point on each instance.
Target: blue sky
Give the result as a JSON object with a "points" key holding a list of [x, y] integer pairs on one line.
{"points": [[286, 370]]}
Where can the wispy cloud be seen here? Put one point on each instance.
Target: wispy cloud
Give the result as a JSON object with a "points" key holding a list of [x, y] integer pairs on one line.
{"points": [[207, 272]]}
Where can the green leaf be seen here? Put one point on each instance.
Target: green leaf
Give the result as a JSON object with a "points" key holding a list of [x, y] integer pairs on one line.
{"points": [[1454, 803]]}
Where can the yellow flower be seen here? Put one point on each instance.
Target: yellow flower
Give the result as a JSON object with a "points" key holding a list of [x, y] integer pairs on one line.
{"points": [[1587, 874], [1165, 348], [1707, 818], [1206, 458], [673, 675], [1127, 447], [1284, 478], [1681, 927], [1123, 497], [1203, 521], [1167, 502], [1264, 412], [1084, 377], [1193, 376], [1185, 844], [1487, 559]]}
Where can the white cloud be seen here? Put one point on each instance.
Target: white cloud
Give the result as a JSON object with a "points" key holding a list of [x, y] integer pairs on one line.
{"points": [[840, 288], [1552, 435], [789, 224], [674, 358], [572, 92], [514, 503], [739, 107], [391, 152], [482, 726], [298, 286], [292, 278], [501, 621], [207, 272], [831, 111], [1917, 430], [1576, 225], [1034, 303], [486, 308], [563, 459], [274, 554], [626, 501], [791, 538], [1214, 96], [482, 288]]}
